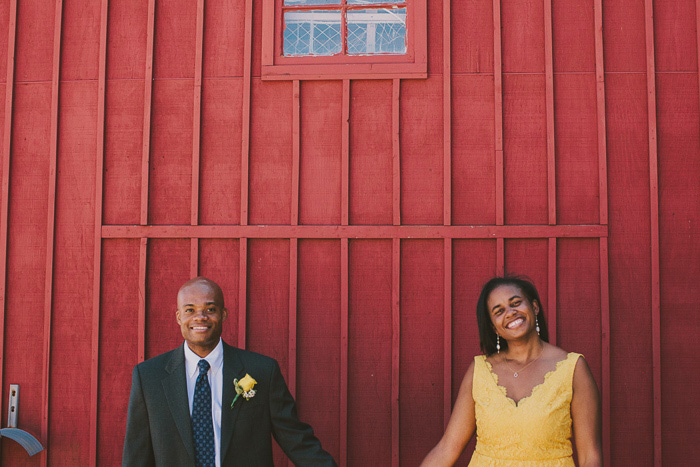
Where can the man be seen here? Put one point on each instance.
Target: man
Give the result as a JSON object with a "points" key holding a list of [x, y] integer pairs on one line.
{"points": [[209, 404]]}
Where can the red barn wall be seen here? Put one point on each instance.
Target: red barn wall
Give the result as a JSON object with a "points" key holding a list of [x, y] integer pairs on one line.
{"points": [[350, 223]]}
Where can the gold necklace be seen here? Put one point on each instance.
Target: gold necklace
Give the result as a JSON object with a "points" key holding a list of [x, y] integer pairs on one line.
{"points": [[515, 373]]}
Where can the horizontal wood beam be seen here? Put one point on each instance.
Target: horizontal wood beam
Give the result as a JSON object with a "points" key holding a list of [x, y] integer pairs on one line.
{"points": [[354, 231]]}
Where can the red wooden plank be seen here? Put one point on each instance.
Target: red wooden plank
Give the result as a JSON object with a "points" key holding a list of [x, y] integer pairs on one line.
{"points": [[421, 347], [242, 291], [552, 290], [473, 156], [396, 152], [549, 103], [370, 353], [371, 140], [141, 341], [447, 112], [697, 30], [318, 338], [7, 138], [600, 107], [354, 231], [344, 346], [147, 93], [322, 152], [605, 343], [447, 333], [395, 347], [97, 236], [292, 339], [296, 149], [654, 225], [245, 131], [50, 226], [345, 156]]}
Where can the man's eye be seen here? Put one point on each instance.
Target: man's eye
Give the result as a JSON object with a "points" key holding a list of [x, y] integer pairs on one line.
{"points": [[189, 310], [211, 310]]}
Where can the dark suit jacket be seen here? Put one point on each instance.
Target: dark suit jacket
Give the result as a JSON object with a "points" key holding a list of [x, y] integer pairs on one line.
{"points": [[159, 430]]}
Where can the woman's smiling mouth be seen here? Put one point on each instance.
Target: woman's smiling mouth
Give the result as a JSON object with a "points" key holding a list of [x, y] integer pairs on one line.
{"points": [[515, 323]]}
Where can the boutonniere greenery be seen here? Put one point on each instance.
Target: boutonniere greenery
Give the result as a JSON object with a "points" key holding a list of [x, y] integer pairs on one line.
{"points": [[244, 388]]}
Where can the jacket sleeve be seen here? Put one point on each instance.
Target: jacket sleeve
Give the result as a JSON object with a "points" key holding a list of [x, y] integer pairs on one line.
{"points": [[138, 448], [296, 438]]}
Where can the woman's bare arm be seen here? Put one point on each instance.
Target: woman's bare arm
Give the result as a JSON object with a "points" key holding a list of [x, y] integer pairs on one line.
{"points": [[459, 430], [585, 412]]}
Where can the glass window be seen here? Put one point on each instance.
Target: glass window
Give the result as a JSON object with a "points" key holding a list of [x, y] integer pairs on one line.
{"points": [[369, 38]]}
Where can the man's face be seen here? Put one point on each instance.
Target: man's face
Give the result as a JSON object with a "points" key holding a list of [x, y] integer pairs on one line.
{"points": [[200, 314]]}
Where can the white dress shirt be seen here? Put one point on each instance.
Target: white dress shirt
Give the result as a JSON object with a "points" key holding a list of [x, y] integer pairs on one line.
{"points": [[216, 382]]}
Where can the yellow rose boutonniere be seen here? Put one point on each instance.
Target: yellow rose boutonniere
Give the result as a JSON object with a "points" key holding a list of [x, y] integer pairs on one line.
{"points": [[244, 388]]}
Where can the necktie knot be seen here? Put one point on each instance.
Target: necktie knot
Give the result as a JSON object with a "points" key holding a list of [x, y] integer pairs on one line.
{"points": [[203, 366]]}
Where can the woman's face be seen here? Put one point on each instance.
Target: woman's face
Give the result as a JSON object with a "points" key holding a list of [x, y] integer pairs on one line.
{"points": [[512, 314]]}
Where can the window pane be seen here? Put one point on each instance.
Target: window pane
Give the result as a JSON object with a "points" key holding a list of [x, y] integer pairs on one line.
{"points": [[381, 31], [312, 32], [312, 2], [369, 2]]}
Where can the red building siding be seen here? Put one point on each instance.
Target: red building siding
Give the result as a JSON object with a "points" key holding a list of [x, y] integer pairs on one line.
{"points": [[350, 222]]}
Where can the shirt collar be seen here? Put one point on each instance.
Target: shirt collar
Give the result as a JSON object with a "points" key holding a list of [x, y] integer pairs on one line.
{"points": [[215, 359]]}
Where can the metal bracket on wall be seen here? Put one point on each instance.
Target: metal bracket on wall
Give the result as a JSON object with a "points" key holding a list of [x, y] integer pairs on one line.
{"points": [[26, 440]]}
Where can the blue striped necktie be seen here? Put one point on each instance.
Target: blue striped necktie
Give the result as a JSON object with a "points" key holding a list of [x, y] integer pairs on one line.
{"points": [[202, 426]]}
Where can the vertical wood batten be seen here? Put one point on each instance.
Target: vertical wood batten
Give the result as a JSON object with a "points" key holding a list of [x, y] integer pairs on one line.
{"points": [[498, 112], [447, 112], [6, 145], [293, 242], [549, 104], [344, 271], [447, 207], [447, 336], [344, 325], [97, 237], [292, 338], [143, 252], [552, 289], [605, 354], [296, 151], [50, 225], [145, 160], [345, 156], [603, 219], [498, 133], [396, 151], [600, 113], [196, 135], [245, 155], [654, 225], [395, 347]]}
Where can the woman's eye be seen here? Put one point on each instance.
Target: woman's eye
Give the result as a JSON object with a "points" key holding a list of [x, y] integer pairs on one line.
{"points": [[516, 303]]}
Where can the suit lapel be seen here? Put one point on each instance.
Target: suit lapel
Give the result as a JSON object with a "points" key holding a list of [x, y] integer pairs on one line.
{"points": [[233, 369], [175, 387]]}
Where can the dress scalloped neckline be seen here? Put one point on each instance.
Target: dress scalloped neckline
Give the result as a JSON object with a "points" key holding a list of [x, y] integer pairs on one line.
{"points": [[534, 389]]}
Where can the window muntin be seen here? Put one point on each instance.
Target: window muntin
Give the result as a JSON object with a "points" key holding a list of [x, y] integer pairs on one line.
{"points": [[344, 27]]}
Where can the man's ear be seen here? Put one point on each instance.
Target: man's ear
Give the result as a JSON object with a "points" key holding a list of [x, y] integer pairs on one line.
{"points": [[224, 313], [177, 316]]}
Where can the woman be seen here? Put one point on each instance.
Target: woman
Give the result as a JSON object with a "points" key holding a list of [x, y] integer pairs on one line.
{"points": [[522, 396]]}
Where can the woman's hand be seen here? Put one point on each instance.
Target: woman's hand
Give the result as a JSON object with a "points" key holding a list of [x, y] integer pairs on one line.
{"points": [[459, 430], [585, 413]]}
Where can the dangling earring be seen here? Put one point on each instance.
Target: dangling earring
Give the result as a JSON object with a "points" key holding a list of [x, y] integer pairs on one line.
{"points": [[498, 343], [537, 326]]}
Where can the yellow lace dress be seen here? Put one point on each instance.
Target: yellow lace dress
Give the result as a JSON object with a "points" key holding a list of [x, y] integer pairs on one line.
{"points": [[534, 432]]}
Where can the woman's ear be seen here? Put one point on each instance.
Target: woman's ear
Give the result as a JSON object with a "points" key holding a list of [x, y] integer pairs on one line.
{"points": [[536, 307]]}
